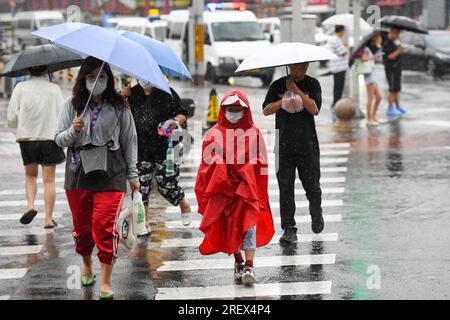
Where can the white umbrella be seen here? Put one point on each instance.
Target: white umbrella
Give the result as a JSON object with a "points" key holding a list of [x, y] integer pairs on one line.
{"points": [[346, 19], [284, 54]]}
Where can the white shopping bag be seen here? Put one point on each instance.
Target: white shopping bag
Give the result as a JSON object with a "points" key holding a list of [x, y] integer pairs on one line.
{"points": [[126, 230], [138, 212]]}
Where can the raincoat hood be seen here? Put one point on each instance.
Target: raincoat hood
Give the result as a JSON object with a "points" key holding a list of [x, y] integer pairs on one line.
{"points": [[235, 97]]}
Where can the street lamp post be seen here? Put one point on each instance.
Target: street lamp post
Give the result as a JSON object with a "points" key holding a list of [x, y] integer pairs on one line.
{"points": [[355, 75]]}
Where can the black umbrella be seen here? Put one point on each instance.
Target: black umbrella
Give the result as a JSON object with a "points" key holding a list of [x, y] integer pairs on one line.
{"points": [[45, 55], [363, 43], [403, 23]]}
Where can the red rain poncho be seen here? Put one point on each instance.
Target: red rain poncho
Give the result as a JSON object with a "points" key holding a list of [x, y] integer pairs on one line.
{"points": [[233, 197]]}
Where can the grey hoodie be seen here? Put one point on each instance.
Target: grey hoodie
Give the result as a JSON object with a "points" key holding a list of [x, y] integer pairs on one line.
{"points": [[113, 124]]}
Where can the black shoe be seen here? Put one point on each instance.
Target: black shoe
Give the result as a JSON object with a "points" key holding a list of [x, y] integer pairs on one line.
{"points": [[317, 223], [52, 226], [28, 216], [289, 235]]}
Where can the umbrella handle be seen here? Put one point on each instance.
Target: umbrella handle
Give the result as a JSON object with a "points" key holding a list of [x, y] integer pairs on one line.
{"points": [[90, 95]]}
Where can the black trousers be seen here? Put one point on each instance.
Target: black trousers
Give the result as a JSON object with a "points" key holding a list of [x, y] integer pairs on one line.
{"points": [[338, 87], [308, 168]]}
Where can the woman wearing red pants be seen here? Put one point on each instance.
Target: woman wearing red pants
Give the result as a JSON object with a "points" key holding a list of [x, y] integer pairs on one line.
{"points": [[101, 157]]}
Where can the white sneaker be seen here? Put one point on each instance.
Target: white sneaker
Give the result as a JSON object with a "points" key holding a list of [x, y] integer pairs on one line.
{"points": [[249, 277], [147, 234], [186, 218], [238, 271]]}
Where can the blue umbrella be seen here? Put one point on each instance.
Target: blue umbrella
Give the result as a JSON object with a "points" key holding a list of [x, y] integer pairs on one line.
{"points": [[170, 64], [121, 53]]}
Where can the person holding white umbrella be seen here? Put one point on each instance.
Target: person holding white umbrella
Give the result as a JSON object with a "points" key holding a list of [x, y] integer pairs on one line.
{"points": [[298, 146], [295, 99]]}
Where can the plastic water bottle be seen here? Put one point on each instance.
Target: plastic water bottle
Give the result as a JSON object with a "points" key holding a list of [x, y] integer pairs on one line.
{"points": [[170, 157]]}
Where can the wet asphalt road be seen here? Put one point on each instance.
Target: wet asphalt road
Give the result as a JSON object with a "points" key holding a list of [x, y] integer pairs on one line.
{"points": [[386, 203]]}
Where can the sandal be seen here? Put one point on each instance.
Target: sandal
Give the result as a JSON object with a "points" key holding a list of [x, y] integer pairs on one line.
{"points": [[28, 216], [87, 281], [51, 226], [106, 295]]}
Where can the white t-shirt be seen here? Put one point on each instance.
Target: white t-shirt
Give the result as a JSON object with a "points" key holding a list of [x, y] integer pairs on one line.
{"points": [[336, 46], [33, 110]]}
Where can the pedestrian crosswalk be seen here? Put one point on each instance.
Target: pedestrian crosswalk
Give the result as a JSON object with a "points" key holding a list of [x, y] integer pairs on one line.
{"points": [[186, 239], [18, 242]]}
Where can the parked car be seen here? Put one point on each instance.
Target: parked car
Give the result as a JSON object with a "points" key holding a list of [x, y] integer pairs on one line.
{"points": [[429, 53], [28, 21]]}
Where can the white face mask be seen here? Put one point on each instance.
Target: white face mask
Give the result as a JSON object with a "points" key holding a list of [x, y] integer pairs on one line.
{"points": [[234, 117], [100, 87]]}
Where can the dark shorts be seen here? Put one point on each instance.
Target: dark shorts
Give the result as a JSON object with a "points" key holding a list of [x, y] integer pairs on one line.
{"points": [[45, 153], [394, 79]]}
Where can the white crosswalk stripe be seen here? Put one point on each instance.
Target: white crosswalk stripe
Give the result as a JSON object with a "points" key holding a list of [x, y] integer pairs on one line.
{"points": [[195, 224], [17, 216], [11, 251], [323, 146], [195, 242], [25, 231], [324, 161], [23, 203], [264, 261], [7, 274], [239, 291], [272, 182], [197, 154], [17, 192], [275, 205], [193, 174], [275, 193]]}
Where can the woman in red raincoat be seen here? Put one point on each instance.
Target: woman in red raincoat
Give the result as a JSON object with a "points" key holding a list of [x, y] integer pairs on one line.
{"points": [[231, 187]]}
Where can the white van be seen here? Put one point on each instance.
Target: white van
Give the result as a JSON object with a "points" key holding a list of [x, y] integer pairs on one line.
{"points": [[230, 37], [28, 21], [271, 29], [154, 29]]}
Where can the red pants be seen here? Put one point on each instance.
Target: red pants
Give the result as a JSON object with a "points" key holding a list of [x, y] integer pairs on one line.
{"points": [[95, 216]]}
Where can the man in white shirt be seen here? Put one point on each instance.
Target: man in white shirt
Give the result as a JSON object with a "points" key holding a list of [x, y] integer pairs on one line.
{"points": [[33, 113], [339, 66]]}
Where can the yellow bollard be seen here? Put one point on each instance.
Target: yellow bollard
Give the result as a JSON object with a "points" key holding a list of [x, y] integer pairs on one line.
{"points": [[213, 110]]}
